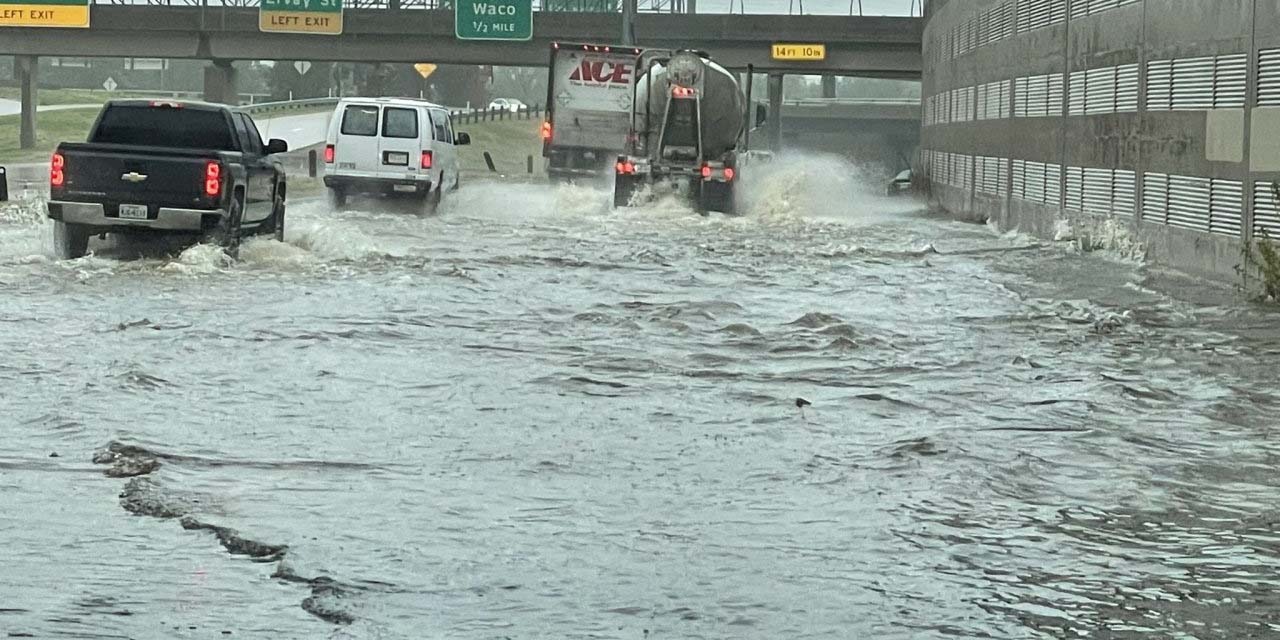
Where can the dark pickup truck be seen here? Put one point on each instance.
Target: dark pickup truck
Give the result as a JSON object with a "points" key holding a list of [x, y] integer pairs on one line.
{"points": [[153, 166]]}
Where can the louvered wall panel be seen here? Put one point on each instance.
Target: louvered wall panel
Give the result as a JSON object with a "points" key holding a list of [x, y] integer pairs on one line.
{"points": [[1075, 93], [1159, 85], [1019, 186], [1226, 206], [1127, 88], [1269, 78], [1097, 191], [1192, 84], [1074, 200], [1230, 81], [1002, 177], [1189, 202], [1126, 188], [1266, 210], [1155, 198], [1100, 91], [1053, 185]]}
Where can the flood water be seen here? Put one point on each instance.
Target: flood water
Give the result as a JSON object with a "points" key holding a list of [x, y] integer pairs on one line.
{"points": [[530, 416]]}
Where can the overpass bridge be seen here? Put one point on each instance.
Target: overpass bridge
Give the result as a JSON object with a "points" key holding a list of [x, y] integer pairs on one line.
{"points": [[855, 45], [395, 31]]}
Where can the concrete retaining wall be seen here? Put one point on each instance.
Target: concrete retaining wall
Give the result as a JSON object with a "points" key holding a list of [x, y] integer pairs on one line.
{"points": [[1159, 115]]}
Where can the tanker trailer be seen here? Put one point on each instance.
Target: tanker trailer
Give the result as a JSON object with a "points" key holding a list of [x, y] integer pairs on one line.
{"points": [[687, 131]]}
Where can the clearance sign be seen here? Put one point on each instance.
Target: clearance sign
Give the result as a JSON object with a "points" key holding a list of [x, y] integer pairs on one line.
{"points": [[44, 13], [300, 16]]}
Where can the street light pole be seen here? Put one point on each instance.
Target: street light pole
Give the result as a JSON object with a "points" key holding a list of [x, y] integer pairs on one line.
{"points": [[628, 22]]}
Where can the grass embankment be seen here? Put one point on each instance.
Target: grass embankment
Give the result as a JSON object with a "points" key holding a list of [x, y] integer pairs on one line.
{"points": [[509, 142], [62, 96], [52, 127]]}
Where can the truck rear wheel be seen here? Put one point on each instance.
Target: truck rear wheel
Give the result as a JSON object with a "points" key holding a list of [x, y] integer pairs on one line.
{"points": [[70, 241], [227, 232], [624, 188], [717, 196]]}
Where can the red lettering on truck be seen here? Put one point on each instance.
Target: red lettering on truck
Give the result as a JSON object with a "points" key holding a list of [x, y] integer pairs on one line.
{"points": [[600, 72]]}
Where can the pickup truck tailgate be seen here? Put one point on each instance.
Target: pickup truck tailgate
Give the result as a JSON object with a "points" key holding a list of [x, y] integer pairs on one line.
{"points": [[113, 174]]}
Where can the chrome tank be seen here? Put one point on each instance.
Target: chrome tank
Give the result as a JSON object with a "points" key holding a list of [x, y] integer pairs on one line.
{"points": [[722, 106]]}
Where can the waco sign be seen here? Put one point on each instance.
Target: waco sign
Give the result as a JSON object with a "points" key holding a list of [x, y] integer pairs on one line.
{"points": [[493, 19]]}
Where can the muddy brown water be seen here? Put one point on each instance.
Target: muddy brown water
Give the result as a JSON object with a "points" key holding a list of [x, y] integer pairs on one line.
{"points": [[533, 417]]}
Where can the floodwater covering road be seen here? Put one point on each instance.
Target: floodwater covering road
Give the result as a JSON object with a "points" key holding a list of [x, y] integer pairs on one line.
{"points": [[530, 416]]}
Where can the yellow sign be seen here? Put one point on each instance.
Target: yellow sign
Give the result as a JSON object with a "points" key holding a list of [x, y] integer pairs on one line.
{"points": [[799, 52], [300, 22], [425, 69], [58, 14]]}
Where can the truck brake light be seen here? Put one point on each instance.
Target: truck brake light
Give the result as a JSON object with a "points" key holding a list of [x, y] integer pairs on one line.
{"points": [[57, 177], [546, 130], [626, 167], [682, 92], [706, 172], [212, 179], [328, 154], [728, 173], [163, 103], [426, 159]]}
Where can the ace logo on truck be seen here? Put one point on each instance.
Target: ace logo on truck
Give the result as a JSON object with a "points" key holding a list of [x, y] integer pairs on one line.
{"points": [[600, 72]]}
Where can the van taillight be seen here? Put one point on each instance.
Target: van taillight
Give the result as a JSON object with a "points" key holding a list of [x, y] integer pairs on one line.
{"points": [[56, 176], [426, 159], [546, 130], [328, 154], [212, 179]]}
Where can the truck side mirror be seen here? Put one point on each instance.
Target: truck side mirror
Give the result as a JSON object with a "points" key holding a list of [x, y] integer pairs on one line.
{"points": [[762, 114], [276, 145]]}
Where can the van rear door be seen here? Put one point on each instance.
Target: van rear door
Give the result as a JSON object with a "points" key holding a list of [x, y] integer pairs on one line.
{"points": [[399, 152], [356, 152]]}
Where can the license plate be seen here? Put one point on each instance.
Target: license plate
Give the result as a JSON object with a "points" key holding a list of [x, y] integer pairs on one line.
{"points": [[396, 158], [404, 188], [133, 211]]}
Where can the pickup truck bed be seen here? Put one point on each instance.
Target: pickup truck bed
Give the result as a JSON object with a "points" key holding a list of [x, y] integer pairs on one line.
{"points": [[166, 167]]}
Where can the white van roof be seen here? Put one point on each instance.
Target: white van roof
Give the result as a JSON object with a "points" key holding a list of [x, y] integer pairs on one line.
{"points": [[398, 102]]}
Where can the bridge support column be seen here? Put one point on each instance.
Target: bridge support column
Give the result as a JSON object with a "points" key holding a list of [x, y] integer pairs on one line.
{"points": [[774, 124], [828, 86], [24, 71], [220, 83]]}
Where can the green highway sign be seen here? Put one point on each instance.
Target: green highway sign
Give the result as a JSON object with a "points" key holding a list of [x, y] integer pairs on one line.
{"points": [[493, 19]]}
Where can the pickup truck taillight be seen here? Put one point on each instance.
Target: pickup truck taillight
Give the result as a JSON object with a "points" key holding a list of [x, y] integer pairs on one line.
{"points": [[328, 154], [546, 130], [212, 179], [426, 159], [56, 176]]}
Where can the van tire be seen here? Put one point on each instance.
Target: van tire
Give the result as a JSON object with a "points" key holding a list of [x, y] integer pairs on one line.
{"points": [[431, 200], [336, 198], [70, 241]]}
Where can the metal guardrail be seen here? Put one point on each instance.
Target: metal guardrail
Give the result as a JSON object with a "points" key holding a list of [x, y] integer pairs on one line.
{"points": [[263, 108]]}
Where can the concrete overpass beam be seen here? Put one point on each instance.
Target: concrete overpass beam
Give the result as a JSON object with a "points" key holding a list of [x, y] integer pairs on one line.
{"points": [[24, 71], [774, 124], [220, 83]]}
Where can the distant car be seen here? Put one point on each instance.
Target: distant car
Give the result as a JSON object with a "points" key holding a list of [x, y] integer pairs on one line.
{"points": [[901, 183], [391, 146], [507, 104]]}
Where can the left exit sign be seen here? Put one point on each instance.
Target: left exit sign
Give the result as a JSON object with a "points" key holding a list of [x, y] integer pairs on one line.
{"points": [[65, 14], [300, 16], [799, 51]]}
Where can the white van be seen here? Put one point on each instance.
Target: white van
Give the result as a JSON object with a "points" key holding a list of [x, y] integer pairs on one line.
{"points": [[391, 146]]}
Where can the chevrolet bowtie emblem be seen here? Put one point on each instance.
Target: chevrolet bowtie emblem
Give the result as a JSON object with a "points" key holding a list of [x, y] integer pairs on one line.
{"points": [[133, 176]]}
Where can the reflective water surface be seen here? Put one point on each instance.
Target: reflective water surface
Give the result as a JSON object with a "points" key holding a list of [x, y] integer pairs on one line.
{"points": [[531, 416]]}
